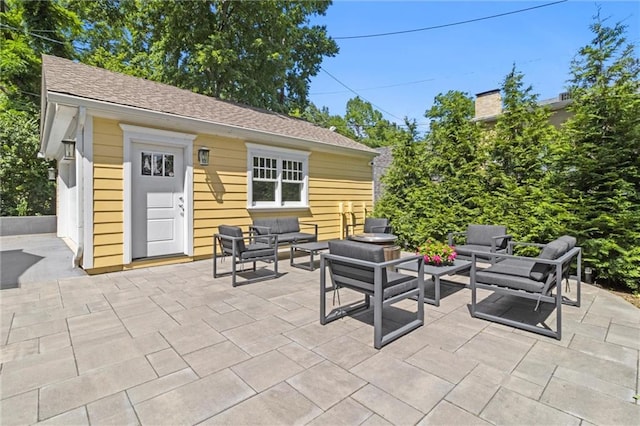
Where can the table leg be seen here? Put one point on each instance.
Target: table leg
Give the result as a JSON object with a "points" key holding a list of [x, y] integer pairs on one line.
{"points": [[436, 283]]}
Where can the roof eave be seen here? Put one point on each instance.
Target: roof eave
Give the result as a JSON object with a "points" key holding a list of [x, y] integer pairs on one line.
{"points": [[158, 118]]}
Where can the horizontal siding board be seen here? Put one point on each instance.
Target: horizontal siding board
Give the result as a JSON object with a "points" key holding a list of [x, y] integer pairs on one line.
{"points": [[107, 250], [106, 239]]}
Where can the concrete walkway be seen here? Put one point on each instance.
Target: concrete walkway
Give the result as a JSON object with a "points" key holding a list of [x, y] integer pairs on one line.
{"points": [[170, 345], [34, 258]]}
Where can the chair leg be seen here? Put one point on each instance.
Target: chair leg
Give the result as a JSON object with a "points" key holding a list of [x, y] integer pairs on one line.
{"points": [[215, 258], [559, 307]]}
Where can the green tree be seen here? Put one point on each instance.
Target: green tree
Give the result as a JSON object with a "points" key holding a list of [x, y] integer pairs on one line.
{"points": [[602, 167], [259, 53], [521, 175], [323, 118], [29, 29], [433, 186], [369, 126]]}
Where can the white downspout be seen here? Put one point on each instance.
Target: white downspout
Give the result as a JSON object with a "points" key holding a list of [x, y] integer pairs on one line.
{"points": [[80, 149]]}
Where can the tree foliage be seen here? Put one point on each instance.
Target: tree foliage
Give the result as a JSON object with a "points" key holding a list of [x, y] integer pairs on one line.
{"points": [[29, 29], [258, 53], [602, 167], [539, 181]]}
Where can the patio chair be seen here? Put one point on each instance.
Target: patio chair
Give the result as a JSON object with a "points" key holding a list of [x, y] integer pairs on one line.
{"points": [[232, 243], [484, 240], [372, 225], [361, 267], [530, 278]]}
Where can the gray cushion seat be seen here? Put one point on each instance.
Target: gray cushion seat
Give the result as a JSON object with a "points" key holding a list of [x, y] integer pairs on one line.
{"points": [[529, 278], [287, 229], [356, 265]]}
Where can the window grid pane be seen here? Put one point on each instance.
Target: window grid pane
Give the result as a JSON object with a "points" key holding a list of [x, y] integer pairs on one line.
{"points": [[291, 171], [265, 169]]}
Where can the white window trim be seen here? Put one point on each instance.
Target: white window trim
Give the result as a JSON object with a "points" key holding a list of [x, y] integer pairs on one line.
{"points": [[280, 154], [132, 134]]}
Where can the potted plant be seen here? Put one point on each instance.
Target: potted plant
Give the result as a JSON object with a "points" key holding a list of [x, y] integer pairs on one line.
{"points": [[437, 253]]}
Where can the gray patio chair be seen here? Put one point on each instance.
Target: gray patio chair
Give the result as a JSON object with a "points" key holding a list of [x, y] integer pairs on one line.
{"points": [[531, 278], [484, 240], [372, 225], [361, 267], [243, 249]]}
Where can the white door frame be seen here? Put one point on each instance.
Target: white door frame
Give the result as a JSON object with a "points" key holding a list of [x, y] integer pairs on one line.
{"points": [[147, 135]]}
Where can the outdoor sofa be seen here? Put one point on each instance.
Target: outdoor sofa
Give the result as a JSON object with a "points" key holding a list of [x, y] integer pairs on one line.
{"points": [[538, 278], [286, 228]]}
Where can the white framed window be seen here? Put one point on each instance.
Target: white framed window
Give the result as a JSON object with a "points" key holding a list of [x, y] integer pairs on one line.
{"points": [[277, 177]]}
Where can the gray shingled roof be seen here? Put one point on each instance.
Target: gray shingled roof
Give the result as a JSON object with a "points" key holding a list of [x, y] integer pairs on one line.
{"points": [[68, 77]]}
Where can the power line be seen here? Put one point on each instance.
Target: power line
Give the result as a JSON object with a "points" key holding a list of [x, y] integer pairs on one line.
{"points": [[450, 24], [357, 94]]}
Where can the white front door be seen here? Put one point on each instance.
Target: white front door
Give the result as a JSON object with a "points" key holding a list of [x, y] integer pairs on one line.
{"points": [[158, 202]]}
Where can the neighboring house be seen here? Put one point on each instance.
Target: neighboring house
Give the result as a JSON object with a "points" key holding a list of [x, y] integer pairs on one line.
{"points": [[488, 107], [380, 166], [136, 193]]}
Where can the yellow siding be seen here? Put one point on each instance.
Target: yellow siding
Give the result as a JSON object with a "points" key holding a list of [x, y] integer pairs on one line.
{"points": [[108, 194], [220, 193]]}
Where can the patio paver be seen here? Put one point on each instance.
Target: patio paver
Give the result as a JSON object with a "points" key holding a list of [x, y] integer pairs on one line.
{"points": [[171, 345]]}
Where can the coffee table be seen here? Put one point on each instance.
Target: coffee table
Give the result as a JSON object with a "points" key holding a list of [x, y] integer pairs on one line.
{"points": [[311, 248], [436, 272]]}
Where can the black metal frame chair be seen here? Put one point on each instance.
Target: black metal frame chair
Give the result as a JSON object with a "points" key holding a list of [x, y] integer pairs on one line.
{"points": [[361, 267], [530, 278], [232, 240]]}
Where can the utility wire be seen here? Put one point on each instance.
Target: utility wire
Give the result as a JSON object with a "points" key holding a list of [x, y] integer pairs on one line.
{"points": [[450, 24], [357, 94]]}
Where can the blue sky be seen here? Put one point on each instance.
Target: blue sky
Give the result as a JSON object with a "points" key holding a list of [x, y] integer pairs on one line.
{"points": [[472, 57]]}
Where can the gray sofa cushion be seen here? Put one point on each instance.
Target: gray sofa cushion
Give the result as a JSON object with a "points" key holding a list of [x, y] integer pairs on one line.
{"points": [[509, 281], [393, 283], [293, 237], [361, 251], [271, 223], [288, 224], [467, 249], [517, 267], [551, 251], [231, 231], [571, 241], [481, 235]]}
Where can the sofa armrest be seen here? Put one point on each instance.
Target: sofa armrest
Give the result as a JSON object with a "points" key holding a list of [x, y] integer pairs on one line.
{"points": [[315, 227], [454, 234], [260, 230]]}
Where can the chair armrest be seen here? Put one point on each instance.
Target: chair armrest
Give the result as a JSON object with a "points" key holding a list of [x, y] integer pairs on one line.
{"points": [[260, 229], [495, 239], [372, 264], [453, 234], [315, 226], [273, 238]]}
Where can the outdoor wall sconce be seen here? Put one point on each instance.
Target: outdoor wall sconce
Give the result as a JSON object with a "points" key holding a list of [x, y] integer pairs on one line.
{"points": [[51, 173], [69, 149], [203, 156]]}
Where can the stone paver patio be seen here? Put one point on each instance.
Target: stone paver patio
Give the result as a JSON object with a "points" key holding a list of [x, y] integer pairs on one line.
{"points": [[170, 345]]}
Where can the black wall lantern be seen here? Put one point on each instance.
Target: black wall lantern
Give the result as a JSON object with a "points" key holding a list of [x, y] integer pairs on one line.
{"points": [[69, 146], [203, 156]]}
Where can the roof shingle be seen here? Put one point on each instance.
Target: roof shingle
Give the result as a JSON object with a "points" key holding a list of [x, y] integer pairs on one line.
{"points": [[72, 78]]}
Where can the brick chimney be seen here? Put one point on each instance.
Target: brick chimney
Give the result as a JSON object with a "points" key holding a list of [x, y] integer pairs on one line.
{"points": [[488, 104]]}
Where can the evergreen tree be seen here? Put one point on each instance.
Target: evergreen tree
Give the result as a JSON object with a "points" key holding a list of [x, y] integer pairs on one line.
{"points": [[521, 189], [602, 168]]}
